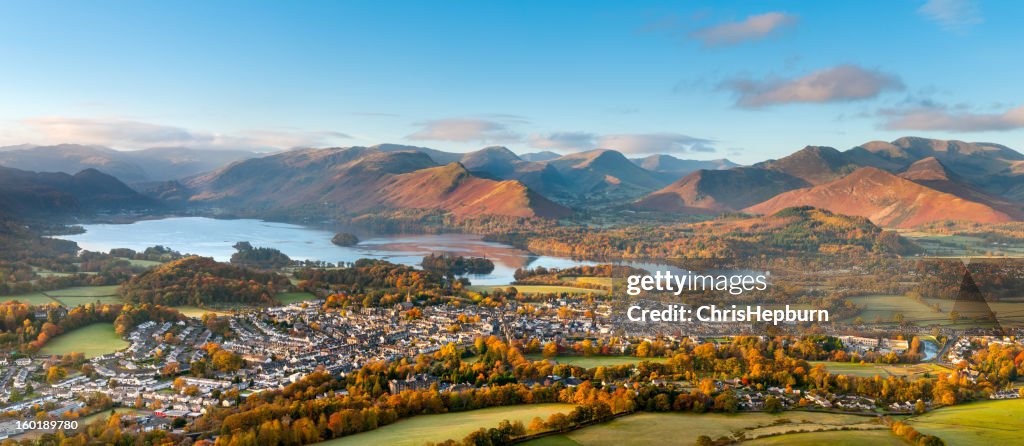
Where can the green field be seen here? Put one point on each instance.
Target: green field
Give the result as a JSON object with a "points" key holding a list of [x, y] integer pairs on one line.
{"points": [[589, 362], [683, 429], [289, 298], [883, 437], [886, 307], [987, 423], [589, 280], [437, 428], [91, 340], [1010, 312], [538, 289], [870, 369], [196, 312], [84, 421], [81, 295], [38, 298], [143, 263], [70, 297], [939, 245]]}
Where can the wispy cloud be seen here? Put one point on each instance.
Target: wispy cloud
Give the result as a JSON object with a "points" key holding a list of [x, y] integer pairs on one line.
{"points": [[942, 118], [649, 143], [465, 130], [131, 134], [755, 27], [562, 140], [952, 15], [836, 84]]}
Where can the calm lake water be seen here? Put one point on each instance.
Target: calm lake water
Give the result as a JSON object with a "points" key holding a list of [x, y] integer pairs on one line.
{"points": [[213, 238]]}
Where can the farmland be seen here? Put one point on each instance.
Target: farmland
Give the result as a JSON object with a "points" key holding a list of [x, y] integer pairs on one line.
{"points": [[870, 369], [437, 428], [91, 340], [589, 362], [981, 423], [684, 429]]}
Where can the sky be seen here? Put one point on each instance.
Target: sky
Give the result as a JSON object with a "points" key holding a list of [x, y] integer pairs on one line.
{"points": [[743, 80]]}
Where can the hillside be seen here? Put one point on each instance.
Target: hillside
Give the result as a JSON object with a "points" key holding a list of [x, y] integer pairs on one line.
{"points": [[137, 166], [203, 282], [886, 199], [716, 191], [604, 175], [32, 194], [360, 179], [500, 163], [672, 165], [813, 164]]}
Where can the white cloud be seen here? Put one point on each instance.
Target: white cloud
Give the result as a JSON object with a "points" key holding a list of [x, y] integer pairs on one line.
{"points": [[952, 15], [943, 119], [130, 134], [836, 84], [755, 27], [649, 143], [562, 140], [464, 130]]}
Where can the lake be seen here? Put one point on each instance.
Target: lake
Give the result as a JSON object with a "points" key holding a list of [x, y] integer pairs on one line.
{"points": [[214, 237]]}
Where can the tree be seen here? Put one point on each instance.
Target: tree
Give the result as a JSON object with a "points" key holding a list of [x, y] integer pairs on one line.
{"points": [[55, 374], [550, 350], [704, 440], [772, 405]]}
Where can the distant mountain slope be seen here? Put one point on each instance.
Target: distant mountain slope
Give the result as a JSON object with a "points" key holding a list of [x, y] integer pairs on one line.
{"points": [[716, 191], [886, 199], [500, 163], [933, 173], [604, 175], [813, 164], [31, 194], [539, 156], [362, 179], [671, 164], [139, 166], [987, 166]]}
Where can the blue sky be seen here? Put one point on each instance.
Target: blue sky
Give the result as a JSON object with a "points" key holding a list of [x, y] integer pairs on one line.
{"points": [[743, 80]]}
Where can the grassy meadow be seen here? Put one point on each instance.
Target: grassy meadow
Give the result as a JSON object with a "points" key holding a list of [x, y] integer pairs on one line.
{"points": [[589, 362], [437, 428], [92, 340], [984, 423], [868, 370], [683, 429]]}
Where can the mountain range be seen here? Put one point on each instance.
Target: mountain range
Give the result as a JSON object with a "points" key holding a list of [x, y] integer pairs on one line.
{"points": [[32, 194], [903, 183], [133, 167]]}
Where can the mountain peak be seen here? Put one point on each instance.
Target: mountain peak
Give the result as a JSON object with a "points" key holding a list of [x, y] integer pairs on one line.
{"points": [[927, 169], [813, 164]]}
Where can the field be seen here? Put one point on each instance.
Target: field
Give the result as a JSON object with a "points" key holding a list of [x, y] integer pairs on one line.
{"points": [[91, 340], [939, 245], [38, 298], [106, 414], [869, 370], [605, 282], [289, 298], [886, 307], [437, 428], [835, 438], [196, 312], [81, 295], [684, 429], [982, 423], [589, 362], [538, 289], [1010, 312]]}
